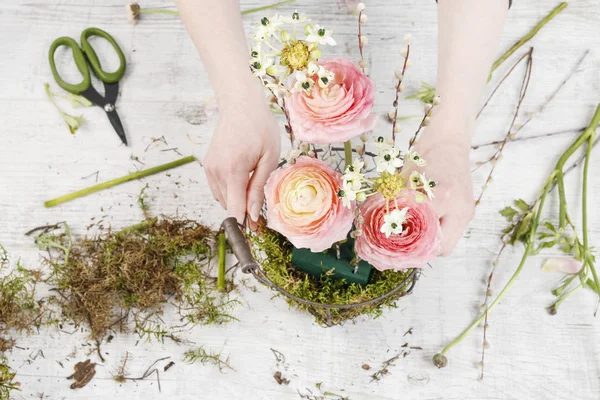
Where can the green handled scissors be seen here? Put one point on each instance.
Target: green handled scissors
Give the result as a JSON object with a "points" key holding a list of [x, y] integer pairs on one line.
{"points": [[84, 56]]}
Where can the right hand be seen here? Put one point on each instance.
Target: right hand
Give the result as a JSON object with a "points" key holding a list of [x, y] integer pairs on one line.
{"points": [[243, 152]]}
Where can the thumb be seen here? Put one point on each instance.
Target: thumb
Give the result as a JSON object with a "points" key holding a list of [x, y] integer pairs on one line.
{"points": [[237, 184], [256, 188]]}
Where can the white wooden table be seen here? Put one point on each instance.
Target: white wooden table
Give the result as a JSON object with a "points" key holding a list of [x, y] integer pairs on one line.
{"points": [[532, 356]]}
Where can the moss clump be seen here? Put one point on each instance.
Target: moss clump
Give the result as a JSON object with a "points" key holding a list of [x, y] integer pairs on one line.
{"points": [[118, 281], [274, 253], [19, 312]]}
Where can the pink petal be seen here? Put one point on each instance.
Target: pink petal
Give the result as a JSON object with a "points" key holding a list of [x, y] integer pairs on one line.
{"points": [[563, 265]]}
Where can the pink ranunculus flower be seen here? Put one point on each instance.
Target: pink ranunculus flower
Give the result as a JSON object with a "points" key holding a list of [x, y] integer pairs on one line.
{"points": [[338, 112], [303, 204], [418, 243]]}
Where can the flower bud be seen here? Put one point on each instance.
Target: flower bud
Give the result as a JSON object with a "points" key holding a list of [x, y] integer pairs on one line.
{"points": [[311, 153], [397, 128], [364, 137], [427, 108], [426, 121], [436, 100], [307, 29], [364, 40], [315, 54], [361, 196], [285, 36], [360, 7], [360, 149], [363, 18], [391, 115], [401, 87], [404, 51], [398, 74], [407, 38], [408, 63], [363, 63], [304, 147]]}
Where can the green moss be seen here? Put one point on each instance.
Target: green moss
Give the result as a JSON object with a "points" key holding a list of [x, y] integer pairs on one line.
{"points": [[121, 281], [274, 254]]}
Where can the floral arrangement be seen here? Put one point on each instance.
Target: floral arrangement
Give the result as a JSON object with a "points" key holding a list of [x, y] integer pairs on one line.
{"points": [[378, 200]]}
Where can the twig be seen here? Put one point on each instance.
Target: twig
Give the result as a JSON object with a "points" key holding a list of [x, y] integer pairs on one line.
{"points": [[105, 185], [488, 292], [528, 36], [398, 87], [523, 92], [519, 139], [151, 371], [524, 56], [154, 140], [173, 149], [384, 367], [92, 174], [221, 259], [360, 42]]}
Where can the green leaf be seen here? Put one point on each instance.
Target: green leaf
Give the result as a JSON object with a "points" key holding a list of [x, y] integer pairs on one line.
{"points": [[522, 205], [508, 213], [549, 226], [521, 233]]}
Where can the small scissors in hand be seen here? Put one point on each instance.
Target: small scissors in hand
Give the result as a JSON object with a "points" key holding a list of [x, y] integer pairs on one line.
{"points": [[83, 56]]}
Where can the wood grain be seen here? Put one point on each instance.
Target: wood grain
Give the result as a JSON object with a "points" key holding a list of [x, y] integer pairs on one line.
{"points": [[532, 355]]}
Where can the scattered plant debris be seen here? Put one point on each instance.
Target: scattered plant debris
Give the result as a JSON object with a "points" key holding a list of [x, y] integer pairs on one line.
{"points": [[84, 372], [280, 379], [121, 281], [207, 357]]}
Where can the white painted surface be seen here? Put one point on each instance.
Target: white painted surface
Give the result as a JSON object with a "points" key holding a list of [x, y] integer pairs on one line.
{"points": [[532, 355]]}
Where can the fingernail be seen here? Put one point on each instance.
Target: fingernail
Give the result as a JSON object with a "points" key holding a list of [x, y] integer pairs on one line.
{"points": [[255, 211]]}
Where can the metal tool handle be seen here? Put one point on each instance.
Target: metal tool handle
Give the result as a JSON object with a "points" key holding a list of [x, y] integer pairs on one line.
{"points": [[239, 244], [80, 61], [104, 76]]}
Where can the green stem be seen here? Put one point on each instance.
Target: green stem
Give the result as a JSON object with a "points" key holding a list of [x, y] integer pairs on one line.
{"points": [[513, 278], [157, 11], [105, 185], [587, 135], [562, 298], [586, 250], [221, 271], [348, 153], [245, 12], [527, 37], [257, 9], [562, 219], [559, 290]]}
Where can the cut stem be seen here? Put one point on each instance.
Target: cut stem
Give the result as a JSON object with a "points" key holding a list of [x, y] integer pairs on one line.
{"points": [[245, 12], [105, 185], [527, 37], [348, 153], [221, 271]]}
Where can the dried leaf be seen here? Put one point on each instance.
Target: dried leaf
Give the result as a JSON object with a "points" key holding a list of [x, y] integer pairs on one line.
{"points": [[84, 372]]}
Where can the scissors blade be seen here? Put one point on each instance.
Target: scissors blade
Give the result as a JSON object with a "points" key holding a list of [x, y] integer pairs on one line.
{"points": [[114, 119]]}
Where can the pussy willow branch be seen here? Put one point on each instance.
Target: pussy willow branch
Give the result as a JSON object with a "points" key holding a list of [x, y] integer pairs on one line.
{"points": [[586, 137], [421, 125], [398, 85], [523, 139], [512, 136], [522, 93], [360, 41]]}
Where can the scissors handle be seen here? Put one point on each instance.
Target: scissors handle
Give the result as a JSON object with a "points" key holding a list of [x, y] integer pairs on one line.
{"points": [[80, 61], [88, 50]]}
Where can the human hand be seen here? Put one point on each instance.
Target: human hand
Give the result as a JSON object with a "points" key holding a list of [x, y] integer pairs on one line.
{"points": [[243, 152], [445, 146]]}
